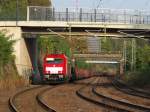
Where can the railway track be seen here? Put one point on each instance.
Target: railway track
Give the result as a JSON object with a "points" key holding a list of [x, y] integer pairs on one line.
{"points": [[90, 94], [42, 102], [87, 91], [19, 102], [121, 86], [131, 107]]}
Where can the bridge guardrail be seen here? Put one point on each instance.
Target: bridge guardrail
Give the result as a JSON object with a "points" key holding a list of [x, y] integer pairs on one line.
{"points": [[38, 13], [88, 15]]}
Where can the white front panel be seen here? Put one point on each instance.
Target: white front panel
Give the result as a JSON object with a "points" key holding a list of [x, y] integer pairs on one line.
{"points": [[54, 70]]}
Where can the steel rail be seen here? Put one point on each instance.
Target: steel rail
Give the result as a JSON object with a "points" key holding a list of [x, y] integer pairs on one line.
{"points": [[121, 86], [139, 107], [13, 106], [42, 102], [79, 93]]}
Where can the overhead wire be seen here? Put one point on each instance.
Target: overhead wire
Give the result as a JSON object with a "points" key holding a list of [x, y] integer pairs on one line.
{"points": [[99, 3], [131, 35]]}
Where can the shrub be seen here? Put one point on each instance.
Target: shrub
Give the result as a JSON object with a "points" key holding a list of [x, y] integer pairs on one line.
{"points": [[6, 53], [138, 78], [39, 2], [8, 10], [9, 78]]}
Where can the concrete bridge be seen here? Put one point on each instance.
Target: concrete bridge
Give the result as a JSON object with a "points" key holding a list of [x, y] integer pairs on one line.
{"points": [[72, 22]]}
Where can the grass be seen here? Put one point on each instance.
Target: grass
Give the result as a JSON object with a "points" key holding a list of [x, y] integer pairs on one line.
{"points": [[12, 84], [10, 80]]}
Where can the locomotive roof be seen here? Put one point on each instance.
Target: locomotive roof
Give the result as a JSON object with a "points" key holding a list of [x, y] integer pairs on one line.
{"points": [[56, 55]]}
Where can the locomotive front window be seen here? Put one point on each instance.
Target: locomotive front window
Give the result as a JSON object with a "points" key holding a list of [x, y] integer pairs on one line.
{"points": [[55, 61]]}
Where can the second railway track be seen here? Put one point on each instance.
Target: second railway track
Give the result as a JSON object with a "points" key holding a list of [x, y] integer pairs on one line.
{"points": [[33, 99], [121, 86], [90, 94]]}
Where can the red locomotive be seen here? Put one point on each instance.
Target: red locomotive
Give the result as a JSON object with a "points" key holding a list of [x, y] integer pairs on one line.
{"points": [[56, 67]]}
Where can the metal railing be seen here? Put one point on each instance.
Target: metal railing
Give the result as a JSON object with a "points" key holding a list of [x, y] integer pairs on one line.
{"points": [[88, 15], [38, 13]]}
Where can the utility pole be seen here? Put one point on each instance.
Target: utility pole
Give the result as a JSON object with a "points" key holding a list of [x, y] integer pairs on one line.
{"points": [[133, 59], [70, 39], [125, 54], [71, 44], [134, 54], [99, 4], [105, 32]]}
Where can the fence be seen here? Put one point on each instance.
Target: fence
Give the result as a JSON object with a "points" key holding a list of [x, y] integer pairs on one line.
{"points": [[88, 15], [37, 13], [24, 70]]}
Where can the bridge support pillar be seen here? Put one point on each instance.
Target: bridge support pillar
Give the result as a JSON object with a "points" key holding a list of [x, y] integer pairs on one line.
{"points": [[32, 46], [22, 59]]}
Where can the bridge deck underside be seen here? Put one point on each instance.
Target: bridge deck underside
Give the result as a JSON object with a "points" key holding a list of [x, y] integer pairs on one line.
{"points": [[84, 31]]}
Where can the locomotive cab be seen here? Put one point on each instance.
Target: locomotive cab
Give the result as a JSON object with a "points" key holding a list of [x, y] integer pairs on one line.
{"points": [[55, 67]]}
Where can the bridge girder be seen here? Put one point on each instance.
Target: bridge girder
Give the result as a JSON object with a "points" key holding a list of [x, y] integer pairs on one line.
{"points": [[104, 56], [110, 32]]}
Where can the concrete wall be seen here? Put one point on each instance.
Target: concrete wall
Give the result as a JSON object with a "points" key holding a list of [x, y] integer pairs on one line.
{"points": [[22, 60], [75, 24]]}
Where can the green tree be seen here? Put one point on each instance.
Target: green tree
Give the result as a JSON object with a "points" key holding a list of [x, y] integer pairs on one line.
{"points": [[39, 2], [51, 45], [8, 9], [141, 76], [6, 51], [143, 57]]}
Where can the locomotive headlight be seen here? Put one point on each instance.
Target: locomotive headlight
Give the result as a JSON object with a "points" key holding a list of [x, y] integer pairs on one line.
{"points": [[60, 76], [60, 72], [49, 59]]}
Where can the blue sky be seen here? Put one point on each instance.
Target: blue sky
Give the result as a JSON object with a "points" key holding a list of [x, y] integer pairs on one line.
{"points": [[115, 4]]}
